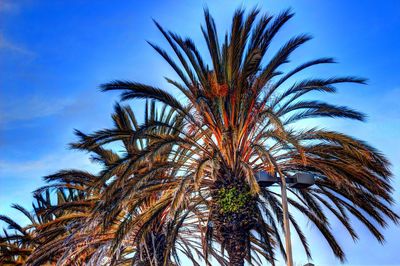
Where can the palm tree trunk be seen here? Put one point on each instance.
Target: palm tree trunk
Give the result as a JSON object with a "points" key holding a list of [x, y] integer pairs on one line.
{"points": [[232, 213], [236, 247]]}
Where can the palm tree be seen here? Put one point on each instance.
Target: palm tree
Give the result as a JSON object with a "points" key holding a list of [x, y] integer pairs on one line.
{"points": [[240, 116], [136, 176], [76, 197], [132, 201], [16, 243], [48, 222], [84, 226]]}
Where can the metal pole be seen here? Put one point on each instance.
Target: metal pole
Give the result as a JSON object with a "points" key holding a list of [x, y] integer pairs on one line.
{"points": [[286, 224]]}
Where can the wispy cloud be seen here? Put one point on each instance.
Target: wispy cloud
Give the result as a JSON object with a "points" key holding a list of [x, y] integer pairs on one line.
{"points": [[28, 108], [10, 46], [47, 165], [19, 178], [8, 6]]}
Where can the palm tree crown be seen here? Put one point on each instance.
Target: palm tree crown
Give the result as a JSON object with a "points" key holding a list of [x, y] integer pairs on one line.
{"points": [[240, 117]]}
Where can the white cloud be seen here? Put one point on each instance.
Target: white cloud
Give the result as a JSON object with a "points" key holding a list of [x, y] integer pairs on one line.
{"points": [[28, 108], [8, 45], [8, 6], [47, 165], [19, 178]]}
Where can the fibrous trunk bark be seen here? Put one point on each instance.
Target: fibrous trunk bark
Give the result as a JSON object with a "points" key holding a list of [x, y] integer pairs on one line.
{"points": [[232, 214], [236, 246]]}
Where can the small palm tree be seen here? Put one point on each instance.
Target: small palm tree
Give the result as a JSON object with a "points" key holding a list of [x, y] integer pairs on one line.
{"points": [[16, 243], [76, 197], [47, 223], [240, 117]]}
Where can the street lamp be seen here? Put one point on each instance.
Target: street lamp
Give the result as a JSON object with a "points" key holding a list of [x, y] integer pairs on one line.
{"points": [[298, 180]]}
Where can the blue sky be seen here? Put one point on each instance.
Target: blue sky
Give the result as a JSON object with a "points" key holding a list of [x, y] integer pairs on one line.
{"points": [[54, 54]]}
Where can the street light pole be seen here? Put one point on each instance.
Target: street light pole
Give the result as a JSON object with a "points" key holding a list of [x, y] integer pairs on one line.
{"points": [[286, 223], [298, 180]]}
